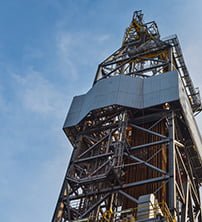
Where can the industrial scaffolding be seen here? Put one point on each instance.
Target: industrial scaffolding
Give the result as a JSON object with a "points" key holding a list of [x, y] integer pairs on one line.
{"points": [[137, 150]]}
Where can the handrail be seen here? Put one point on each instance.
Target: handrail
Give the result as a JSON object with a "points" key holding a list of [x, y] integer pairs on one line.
{"points": [[158, 210]]}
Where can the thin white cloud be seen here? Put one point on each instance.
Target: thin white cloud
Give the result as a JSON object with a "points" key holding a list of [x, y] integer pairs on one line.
{"points": [[80, 49], [64, 43], [103, 38], [34, 191], [33, 92], [39, 95]]}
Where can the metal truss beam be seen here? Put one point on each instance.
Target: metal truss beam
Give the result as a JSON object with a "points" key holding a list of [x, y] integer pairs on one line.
{"points": [[96, 172], [121, 153]]}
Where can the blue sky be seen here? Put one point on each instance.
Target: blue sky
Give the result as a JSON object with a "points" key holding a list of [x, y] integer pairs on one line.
{"points": [[49, 52]]}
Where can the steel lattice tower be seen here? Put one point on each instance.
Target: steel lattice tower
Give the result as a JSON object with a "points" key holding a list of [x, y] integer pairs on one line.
{"points": [[134, 137]]}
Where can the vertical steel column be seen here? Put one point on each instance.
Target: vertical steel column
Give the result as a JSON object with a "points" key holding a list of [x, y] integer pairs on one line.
{"points": [[171, 164], [123, 151]]}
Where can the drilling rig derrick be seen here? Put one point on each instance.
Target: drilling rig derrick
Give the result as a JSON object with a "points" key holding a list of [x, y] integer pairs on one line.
{"points": [[137, 150]]}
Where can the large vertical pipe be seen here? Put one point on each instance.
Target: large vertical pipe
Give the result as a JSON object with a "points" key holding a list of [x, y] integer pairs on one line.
{"points": [[171, 165]]}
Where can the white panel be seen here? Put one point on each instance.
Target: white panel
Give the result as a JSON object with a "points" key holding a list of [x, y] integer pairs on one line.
{"points": [[133, 92]]}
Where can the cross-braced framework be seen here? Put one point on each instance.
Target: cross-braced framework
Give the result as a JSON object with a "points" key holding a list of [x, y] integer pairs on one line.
{"points": [[144, 54], [121, 153]]}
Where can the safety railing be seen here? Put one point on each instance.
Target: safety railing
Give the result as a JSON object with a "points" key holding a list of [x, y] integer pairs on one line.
{"points": [[144, 212]]}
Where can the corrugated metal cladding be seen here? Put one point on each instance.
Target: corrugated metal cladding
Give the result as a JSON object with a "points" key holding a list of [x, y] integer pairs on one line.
{"points": [[134, 92], [141, 172]]}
